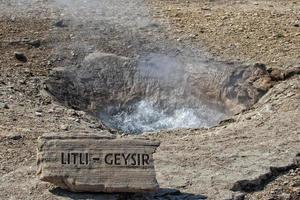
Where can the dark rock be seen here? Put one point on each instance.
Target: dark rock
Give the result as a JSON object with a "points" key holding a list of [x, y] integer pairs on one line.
{"points": [[61, 24], [15, 136], [296, 160], [291, 72], [226, 121], [164, 192], [20, 56], [34, 43]]}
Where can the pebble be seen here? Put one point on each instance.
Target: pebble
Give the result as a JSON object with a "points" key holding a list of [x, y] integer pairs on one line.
{"points": [[61, 23], [39, 114], [285, 196], [292, 174], [15, 136], [4, 105], [34, 43], [81, 113], [285, 183], [50, 111], [20, 56], [64, 127], [239, 196], [205, 8], [71, 112]]}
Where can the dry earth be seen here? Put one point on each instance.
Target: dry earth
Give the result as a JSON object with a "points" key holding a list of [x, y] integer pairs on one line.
{"points": [[249, 31], [199, 161]]}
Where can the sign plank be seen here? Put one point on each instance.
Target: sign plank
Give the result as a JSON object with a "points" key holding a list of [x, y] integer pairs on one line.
{"points": [[89, 162]]}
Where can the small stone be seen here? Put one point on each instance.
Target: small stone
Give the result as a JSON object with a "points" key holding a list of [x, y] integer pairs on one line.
{"points": [[71, 112], [34, 43], [277, 74], [297, 24], [61, 23], [192, 36], [64, 127], [20, 56], [284, 196], [50, 111], [73, 54], [38, 114], [39, 110], [278, 35], [205, 8], [285, 183], [238, 196], [273, 192], [292, 174], [81, 113], [4, 105], [224, 17], [15, 136]]}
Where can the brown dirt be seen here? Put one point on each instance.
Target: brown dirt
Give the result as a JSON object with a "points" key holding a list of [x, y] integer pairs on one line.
{"points": [[248, 31], [31, 112]]}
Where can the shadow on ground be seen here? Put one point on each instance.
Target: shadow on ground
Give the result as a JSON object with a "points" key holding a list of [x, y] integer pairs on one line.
{"points": [[161, 194]]}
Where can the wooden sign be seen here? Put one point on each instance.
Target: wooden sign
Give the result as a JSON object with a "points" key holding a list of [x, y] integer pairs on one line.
{"points": [[89, 162]]}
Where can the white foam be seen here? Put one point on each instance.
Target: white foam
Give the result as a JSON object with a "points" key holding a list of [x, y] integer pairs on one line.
{"points": [[146, 117]]}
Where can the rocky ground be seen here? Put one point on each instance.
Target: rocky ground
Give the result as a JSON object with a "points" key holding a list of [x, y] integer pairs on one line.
{"points": [[206, 162], [249, 31]]}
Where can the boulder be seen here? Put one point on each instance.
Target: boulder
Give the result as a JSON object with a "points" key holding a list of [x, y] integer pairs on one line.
{"points": [[97, 162]]}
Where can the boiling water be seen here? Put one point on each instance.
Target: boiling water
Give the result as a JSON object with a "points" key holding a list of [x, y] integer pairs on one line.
{"points": [[144, 116]]}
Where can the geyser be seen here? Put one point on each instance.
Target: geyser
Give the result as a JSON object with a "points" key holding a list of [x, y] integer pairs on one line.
{"points": [[165, 100], [148, 93]]}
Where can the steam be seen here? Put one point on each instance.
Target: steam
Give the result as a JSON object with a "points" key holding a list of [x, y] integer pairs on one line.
{"points": [[167, 102], [130, 13], [125, 12]]}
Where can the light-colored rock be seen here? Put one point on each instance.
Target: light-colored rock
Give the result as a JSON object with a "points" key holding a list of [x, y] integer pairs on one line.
{"points": [[97, 162]]}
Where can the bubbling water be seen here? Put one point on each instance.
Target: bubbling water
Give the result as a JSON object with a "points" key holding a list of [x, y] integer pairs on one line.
{"points": [[145, 116]]}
